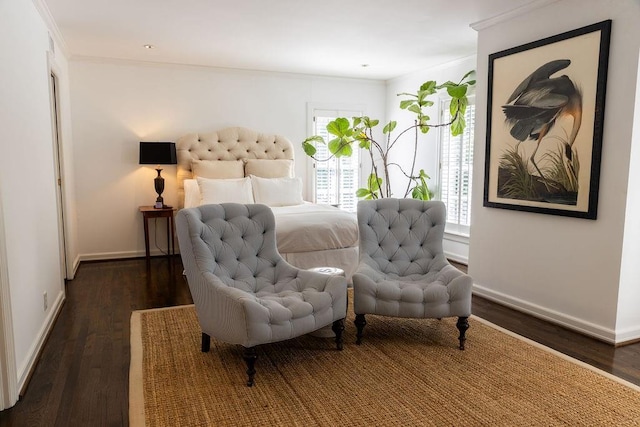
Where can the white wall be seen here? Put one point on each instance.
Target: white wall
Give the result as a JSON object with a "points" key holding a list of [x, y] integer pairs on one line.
{"points": [[27, 179], [563, 269], [117, 104], [629, 293], [455, 247]]}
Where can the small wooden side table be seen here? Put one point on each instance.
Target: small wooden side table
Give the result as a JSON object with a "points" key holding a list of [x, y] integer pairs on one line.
{"points": [[151, 212]]}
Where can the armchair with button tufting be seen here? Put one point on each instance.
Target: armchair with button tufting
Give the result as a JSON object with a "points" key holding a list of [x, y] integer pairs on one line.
{"points": [[403, 271], [244, 292]]}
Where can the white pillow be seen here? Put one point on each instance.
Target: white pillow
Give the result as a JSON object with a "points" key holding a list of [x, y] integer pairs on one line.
{"points": [[267, 168], [217, 169], [192, 195], [277, 191], [225, 190]]}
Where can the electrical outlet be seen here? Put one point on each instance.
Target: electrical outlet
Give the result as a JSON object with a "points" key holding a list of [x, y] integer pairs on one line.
{"points": [[44, 300]]}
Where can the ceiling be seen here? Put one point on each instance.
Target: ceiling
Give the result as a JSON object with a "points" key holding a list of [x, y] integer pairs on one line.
{"points": [[376, 39]]}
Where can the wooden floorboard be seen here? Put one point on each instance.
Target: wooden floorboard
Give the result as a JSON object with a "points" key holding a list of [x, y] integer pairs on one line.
{"points": [[82, 376]]}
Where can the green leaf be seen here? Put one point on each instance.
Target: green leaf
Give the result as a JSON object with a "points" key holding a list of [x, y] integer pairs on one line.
{"points": [[340, 147], [423, 175], [406, 103], [365, 143], [453, 106], [424, 128], [421, 190], [374, 183], [309, 149], [362, 192], [315, 139], [338, 127], [357, 121], [467, 75], [457, 91], [418, 193], [457, 127], [429, 86], [415, 109], [446, 84], [462, 104], [389, 127], [374, 123]]}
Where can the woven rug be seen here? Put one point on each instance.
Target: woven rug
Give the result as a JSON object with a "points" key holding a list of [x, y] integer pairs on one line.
{"points": [[405, 373]]}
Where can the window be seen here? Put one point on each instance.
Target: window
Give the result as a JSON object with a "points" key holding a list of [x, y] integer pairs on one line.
{"points": [[456, 170], [335, 180]]}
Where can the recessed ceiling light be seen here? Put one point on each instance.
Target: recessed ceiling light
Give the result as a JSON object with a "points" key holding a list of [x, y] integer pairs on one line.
{"points": [[148, 46]]}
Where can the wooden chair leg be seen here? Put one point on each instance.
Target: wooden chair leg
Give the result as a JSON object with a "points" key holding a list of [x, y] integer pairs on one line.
{"points": [[250, 357], [360, 323], [462, 324], [338, 328], [206, 342]]}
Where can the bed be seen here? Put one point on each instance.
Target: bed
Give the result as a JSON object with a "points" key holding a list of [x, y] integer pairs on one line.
{"points": [[241, 165]]}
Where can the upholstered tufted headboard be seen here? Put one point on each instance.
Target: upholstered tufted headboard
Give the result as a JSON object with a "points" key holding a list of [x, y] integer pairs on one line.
{"points": [[235, 143]]}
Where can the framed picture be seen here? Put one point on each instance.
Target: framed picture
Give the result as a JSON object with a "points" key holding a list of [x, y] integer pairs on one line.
{"points": [[544, 123]]}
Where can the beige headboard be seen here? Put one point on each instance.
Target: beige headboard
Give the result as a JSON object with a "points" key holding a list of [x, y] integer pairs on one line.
{"points": [[235, 143]]}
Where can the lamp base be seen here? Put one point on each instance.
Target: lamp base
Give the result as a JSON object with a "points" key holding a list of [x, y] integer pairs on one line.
{"points": [[159, 186], [161, 206]]}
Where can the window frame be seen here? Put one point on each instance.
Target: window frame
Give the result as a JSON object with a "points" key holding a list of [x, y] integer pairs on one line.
{"points": [[455, 231], [340, 110]]}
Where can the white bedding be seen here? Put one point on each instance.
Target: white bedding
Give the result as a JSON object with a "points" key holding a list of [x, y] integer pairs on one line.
{"points": [[306, 227], [310, 227], [308, 235]]}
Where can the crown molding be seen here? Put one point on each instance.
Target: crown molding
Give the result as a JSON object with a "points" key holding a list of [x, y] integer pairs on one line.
{"points": [[54, 31], [522, 10]]}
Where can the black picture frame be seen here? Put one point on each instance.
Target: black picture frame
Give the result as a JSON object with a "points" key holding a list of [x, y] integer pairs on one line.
{"points": [[545, 114]]}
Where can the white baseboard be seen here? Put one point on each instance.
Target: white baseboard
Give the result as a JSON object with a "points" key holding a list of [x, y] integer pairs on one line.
{"points": [[456, 257], [26, 369], [74, 269], [579, 325], [627, 336], [100, 256]]}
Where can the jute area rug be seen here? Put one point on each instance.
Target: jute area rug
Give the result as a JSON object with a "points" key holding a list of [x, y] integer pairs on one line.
{"points": [[405, 373]]}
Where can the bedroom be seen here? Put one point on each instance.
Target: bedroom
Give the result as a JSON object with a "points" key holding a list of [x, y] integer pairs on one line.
{"points": [[110, 105]]}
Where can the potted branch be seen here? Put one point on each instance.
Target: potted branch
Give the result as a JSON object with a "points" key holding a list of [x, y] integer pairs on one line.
{"points": [[357, 132]]}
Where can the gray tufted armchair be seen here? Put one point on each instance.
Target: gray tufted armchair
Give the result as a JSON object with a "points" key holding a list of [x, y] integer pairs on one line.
{"points": [[244, 291], [403, 271]]}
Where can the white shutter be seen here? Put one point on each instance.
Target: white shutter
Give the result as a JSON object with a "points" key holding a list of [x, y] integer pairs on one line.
{"points": [[336, 180], [456, 170]]}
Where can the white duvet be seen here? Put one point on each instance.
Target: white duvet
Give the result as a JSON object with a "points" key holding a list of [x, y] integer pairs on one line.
{"points": [[301, 228], [310, 227]]}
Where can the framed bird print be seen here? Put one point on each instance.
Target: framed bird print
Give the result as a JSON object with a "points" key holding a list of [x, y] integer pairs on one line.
{"points": [[544, 123]]}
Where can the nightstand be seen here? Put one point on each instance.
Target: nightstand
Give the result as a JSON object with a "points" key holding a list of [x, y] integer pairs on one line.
{"points": [[151, 212]]}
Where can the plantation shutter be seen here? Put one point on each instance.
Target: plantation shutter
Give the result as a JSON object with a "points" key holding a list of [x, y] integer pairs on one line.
{"points": [[337, 179], [456, 170]]}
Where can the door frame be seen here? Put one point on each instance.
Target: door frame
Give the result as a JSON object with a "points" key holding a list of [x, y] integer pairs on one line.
{"points": [[8, 370], [58, 159]]}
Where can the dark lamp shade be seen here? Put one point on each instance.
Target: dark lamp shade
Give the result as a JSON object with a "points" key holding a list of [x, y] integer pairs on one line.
{"points": [[158, 153]]}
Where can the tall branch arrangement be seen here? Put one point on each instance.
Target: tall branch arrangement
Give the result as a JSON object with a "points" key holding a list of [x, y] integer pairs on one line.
{"points": [[358, 132]]}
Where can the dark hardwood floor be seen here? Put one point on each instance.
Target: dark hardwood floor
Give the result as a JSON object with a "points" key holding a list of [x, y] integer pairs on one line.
{"points": [[82, 376]]}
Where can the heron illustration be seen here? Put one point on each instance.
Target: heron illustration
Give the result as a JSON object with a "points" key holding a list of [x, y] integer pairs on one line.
{"points": [[536, 104]]}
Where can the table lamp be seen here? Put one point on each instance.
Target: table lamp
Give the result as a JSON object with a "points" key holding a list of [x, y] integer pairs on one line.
{"points": [[158, 153]]}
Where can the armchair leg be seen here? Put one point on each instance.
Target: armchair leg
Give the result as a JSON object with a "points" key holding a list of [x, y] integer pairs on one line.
{"points": [[250, 357], [462, 324], [206, 342], [360, 323], [338, 328]]}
